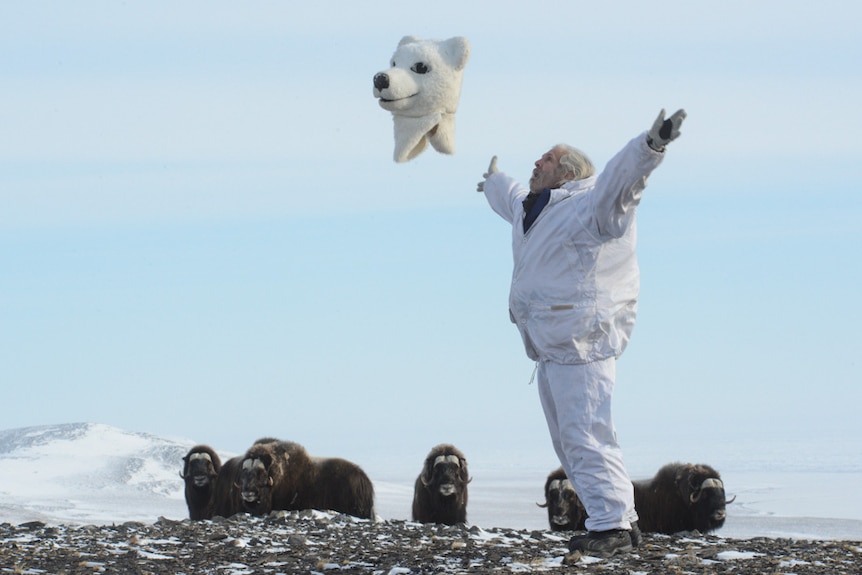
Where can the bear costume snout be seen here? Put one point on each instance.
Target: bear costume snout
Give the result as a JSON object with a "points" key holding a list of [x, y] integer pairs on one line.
{"points": [[381, 81]]}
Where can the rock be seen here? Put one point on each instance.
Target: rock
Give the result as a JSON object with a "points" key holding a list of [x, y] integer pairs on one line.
{"points": [[300, 542]]}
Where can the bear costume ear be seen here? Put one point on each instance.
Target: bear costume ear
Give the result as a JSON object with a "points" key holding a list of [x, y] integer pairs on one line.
{"points": [[457, 51], [409, 40]]}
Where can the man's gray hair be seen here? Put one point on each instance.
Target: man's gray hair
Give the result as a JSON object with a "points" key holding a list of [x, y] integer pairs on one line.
{"points": [[575, 161]]}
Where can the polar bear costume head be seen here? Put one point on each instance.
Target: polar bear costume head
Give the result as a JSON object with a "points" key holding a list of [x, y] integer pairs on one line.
{"points": [[422, 89]]}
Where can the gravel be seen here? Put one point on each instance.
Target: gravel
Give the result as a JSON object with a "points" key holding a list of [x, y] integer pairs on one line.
{"points": [[330, 543]]}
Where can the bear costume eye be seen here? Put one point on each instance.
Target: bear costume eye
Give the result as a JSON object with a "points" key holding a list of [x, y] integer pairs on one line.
{"points": [[420, 68]]}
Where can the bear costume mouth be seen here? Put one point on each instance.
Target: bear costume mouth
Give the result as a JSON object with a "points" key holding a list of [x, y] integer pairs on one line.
{"points": [[382, 99]]}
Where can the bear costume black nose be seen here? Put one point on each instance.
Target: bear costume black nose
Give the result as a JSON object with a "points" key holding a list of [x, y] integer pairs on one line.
{"points": [[381, 81]]}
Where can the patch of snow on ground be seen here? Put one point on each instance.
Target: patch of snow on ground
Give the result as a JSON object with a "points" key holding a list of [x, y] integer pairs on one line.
{"points": [[732, 555]]}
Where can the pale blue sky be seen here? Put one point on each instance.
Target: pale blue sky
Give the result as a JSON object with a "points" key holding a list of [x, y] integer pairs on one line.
{"points": [[203, 234]]}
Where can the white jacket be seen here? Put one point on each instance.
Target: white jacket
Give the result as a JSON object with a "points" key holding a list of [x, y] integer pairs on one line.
{"points": [[575, 280]]}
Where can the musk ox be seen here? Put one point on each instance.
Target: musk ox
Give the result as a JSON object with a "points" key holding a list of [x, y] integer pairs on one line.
{"points": [[565, 510], [201, 466], [280, 475], [681, 497], [226, 497], [440, 492], [226, 500]]}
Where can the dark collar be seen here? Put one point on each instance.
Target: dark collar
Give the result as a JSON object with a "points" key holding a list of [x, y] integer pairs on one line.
{"points": [[532, 197], [533, 204]]}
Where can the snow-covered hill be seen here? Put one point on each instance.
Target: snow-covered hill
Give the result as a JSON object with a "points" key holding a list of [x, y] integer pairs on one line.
{"points": [[89, 473]]}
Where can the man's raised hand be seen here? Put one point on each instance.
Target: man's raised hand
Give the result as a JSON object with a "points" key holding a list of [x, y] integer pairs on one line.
{"points": [[492, 169], [664, 130]]}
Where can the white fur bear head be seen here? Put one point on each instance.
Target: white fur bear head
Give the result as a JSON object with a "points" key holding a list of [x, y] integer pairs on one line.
{"points": [[422, 89], [425, 77]]}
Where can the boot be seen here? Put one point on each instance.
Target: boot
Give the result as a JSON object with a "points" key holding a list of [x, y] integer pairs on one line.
{"points": [[602, 543]]}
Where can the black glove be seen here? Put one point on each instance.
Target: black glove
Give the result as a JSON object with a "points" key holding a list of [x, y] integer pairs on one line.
{"points": [[665, 130]]}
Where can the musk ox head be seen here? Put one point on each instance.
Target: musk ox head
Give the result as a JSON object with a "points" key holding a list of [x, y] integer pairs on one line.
{"points": [[200, 466], [565, 510], [701, 488], [268, 475], [445, 472], [256, 482]]}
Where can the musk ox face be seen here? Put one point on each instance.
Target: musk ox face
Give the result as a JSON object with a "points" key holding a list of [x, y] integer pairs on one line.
{"points": [[702, 488], [445, 474], [565, 510], [199, 469], [256, 484]]}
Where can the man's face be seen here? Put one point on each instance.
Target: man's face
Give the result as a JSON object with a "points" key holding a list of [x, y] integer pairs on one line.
{"points": [[546, 174]]}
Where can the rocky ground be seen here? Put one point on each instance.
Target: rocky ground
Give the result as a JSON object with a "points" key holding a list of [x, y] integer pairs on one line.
{"points": [[315, 542]]}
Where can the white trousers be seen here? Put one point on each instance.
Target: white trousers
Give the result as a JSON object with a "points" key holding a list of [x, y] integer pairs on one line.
{"points": [[577, 404]]}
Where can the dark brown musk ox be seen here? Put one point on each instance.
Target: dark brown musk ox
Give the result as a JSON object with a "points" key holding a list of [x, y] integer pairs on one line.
{"points": [[201, 466], [565, 510], [226, 499], [280, 475], [681, 497], [440, 491]]}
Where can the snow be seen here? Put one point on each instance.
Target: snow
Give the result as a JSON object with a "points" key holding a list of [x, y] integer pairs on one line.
{"points": [[89, 473], [97, 474], [732, 555]]}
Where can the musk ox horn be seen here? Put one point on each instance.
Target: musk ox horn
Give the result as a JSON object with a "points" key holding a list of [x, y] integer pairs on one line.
{"points": [[712, 482], [555, 484], [709, 483], [447, 459], [731, 500]]}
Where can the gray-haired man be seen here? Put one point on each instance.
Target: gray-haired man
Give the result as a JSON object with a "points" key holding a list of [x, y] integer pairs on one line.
{"points": [[574, 298]]}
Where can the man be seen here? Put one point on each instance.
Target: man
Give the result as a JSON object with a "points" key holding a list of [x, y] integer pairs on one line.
{"points": [[573, 298]]}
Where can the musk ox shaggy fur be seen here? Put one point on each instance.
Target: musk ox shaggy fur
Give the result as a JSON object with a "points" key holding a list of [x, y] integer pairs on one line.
{"points": [[227, 499], [201, 466], [440, 492], [280, 475], [681, 497], [565, 510]]}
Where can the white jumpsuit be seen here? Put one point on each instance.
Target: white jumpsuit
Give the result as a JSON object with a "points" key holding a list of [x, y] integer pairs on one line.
{"points": [[573, 298]]}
